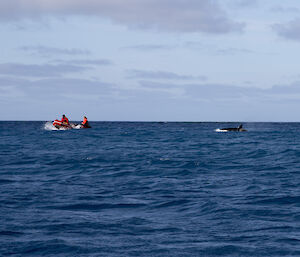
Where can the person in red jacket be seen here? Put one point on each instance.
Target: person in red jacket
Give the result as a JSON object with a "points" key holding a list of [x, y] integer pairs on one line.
{"points": [[85, 122], [65, 120]]}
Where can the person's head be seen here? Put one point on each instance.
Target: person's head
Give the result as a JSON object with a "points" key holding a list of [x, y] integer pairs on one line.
{"points": [[85, 117], [64, 115]]}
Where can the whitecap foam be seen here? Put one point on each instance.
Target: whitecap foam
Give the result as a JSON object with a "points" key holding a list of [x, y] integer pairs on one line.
{"points": [[49, 126], [221, 130], [77, 126]]}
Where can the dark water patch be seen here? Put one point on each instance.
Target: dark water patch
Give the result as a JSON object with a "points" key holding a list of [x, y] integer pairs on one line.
{"points": [[288, 200], [49, 247], [95, 207], [10, 233], [179, 203], [6, 181]]}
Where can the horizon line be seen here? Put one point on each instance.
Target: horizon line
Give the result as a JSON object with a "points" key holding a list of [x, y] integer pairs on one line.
{"points": [[158, 121]]}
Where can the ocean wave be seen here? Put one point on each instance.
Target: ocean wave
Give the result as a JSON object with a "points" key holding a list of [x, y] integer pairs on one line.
{"points": [[149, 189]]}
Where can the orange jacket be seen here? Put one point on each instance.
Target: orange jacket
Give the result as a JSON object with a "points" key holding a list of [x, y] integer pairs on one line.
{"points": [[84, 121]]}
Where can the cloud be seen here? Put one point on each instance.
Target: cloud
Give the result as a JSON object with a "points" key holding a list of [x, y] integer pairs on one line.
{"points": [[221, 92], [45, 98], [216, 92], [141, 74], [45, 51], [290, 30], [196, 45], [93, 62], [163, 15], [40, 81], [291, 89], [39, 70], [149, 47], [246, 3], [215, 49], [233, 51], [281, 9], [55, 87], [205, 91]]}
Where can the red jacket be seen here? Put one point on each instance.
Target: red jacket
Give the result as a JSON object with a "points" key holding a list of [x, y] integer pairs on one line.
{"points": [[65, 120]]}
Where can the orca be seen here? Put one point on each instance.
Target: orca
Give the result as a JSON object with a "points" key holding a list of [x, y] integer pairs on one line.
{"points": [[238, 129]]}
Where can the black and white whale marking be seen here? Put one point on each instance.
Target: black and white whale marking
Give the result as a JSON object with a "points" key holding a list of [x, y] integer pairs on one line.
{"points": [[238, 129]]}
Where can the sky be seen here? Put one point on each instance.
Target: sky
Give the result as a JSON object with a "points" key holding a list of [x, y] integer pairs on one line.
{"points": [[150, 60]]}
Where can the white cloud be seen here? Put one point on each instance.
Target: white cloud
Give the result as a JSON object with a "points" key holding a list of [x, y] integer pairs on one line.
{"points": [[166, 15]]}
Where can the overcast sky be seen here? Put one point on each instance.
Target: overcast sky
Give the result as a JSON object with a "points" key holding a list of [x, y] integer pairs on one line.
{"points": [[150, 60]]}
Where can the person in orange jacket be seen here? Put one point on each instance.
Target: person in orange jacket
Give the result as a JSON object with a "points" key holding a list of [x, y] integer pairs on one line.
{"points": [[85, 122], [65, 120]]}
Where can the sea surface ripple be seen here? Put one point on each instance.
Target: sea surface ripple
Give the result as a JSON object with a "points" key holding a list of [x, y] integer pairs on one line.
{"points": [[150, 189]]}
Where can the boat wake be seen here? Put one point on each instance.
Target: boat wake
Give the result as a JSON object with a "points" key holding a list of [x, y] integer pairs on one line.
{"points": [[49, 126]]}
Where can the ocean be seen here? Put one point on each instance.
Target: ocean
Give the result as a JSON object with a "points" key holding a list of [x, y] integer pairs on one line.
{"points": [[150, 189]]}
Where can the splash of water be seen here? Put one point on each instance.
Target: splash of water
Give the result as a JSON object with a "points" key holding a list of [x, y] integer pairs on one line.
{"points": [[49, 126], [221, 130]]}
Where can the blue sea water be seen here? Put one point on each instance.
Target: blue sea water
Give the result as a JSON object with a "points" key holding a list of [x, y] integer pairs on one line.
{"points": [[150, 189]]}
